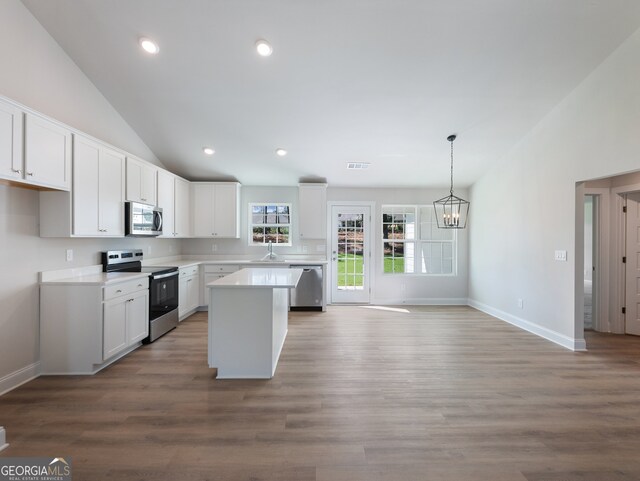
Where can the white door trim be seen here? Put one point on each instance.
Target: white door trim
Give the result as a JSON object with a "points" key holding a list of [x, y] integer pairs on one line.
{"points": [[617, 271], [602, 286], [373, 242]]}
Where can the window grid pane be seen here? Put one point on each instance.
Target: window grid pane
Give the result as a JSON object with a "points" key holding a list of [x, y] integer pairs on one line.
{"points": [[270, 223], [413, 244]]}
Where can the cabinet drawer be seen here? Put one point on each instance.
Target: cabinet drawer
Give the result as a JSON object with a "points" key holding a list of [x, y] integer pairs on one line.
{"points": [[188, 271], [124, 288], [221, 268]]}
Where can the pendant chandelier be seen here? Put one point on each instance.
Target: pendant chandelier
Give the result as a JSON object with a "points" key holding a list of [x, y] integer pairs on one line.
{"points": [[451, 211]]}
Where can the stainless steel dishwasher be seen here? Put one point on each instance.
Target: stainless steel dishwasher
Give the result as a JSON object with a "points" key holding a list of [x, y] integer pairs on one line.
{"points": [[307, 295]]}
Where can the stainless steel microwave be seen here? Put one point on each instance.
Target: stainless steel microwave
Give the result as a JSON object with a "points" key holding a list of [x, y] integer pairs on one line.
{"points": [[141, 220]]}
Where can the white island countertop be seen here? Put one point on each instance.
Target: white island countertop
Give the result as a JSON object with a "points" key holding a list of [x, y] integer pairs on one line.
{"points": [[259, 277]]}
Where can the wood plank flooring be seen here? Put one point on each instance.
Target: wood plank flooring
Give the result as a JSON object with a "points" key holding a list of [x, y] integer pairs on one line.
{"points": [[434, 393]]}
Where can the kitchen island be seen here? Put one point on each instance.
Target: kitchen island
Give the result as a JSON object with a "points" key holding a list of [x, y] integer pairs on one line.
{"points": [[248, 320]]}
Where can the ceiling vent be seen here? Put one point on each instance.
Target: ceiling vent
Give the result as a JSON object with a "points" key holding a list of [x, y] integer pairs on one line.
{"points": [[358, 165]]}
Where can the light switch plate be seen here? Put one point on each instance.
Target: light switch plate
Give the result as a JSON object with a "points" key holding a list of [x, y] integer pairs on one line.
{"points": [[69, 255], [561, 256]]}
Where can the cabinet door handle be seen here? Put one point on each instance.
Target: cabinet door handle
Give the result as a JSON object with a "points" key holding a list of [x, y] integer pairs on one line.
{"points": [[139, 285], [118, 291], [189, 280], [143, 199], [30, 174], [17, 171]]}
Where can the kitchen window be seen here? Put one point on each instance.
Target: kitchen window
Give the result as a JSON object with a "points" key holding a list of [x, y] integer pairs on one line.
{"points": [[413, 244], [270, 222]]}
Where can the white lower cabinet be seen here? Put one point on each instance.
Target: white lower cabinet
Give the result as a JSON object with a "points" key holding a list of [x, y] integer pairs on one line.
{"points": [[189, 293], [125, 322], [83, 328]]}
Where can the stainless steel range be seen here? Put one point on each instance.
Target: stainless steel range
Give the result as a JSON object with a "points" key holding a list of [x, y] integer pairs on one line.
{"points": [[163, 289]]}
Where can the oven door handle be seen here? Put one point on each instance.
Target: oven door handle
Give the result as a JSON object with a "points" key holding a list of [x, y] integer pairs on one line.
{"points": [[162, 276]]}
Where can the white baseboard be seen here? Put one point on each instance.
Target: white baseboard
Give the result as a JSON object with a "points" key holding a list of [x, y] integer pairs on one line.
{"points": [[550, 335], [19, 377], [421, 301], [3, 439]]}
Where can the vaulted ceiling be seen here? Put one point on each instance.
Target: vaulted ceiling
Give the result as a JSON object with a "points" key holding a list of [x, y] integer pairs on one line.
{"points": [[378, 81]]}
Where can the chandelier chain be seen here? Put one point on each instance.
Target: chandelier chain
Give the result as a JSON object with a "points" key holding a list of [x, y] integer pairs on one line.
{"points": [[451, 189]]}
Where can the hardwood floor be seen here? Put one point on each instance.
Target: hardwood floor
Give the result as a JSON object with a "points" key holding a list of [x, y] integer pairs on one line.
{"points": [[435, 393]]}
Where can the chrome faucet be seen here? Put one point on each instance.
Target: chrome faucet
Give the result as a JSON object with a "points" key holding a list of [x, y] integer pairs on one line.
{"points": [[270, 250]]}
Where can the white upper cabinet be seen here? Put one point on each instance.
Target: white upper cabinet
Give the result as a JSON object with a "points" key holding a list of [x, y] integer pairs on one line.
{"points": [[312, 211], [216, 209], [11, 164], [95, 207], [182, 210], [141, 181], [166, 201], [173, 198], [226, 210], [98, 189], [47, 153], [36, 152]]}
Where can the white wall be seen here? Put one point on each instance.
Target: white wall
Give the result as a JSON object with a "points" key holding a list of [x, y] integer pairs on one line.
{"points": [[525, 208], [394, 288], [37, 73]]}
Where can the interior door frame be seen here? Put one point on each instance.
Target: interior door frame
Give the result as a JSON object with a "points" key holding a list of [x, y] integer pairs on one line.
{"points": [[618, 272], [373, 244], [602, 230]]}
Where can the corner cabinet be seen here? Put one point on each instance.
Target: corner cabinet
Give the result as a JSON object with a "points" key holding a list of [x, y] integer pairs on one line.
{"points": [[312, 211], [183, 208], [95, 208], [216, 209], [141, 181]]}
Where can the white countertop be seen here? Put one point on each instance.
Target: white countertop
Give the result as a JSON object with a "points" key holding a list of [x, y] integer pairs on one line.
{"points": [[180, 263], [97, 279], [268, 278]]}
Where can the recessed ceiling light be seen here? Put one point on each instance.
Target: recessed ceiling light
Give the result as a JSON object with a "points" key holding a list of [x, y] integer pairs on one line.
{"points": [[281, 152], [264, 48], [208, 151], [149, 46], [358, 165]]}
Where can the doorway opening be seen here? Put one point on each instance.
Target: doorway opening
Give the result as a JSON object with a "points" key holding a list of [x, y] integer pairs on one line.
{"points": [[590, 260]]}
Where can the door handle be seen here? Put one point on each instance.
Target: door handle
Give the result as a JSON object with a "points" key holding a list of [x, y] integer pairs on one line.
{"points": [[17, 171]]}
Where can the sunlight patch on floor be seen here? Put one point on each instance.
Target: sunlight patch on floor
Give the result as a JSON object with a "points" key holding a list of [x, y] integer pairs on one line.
{"points": [[391, 309]]}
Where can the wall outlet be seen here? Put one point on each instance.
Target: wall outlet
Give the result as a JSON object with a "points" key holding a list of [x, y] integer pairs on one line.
{"points": [[69, 255], [520, 303], [305, 249], [149, 250], [561, 256], [214, 247]]}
